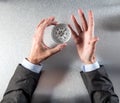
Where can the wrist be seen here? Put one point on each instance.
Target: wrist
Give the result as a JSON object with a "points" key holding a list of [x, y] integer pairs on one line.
{"points": [[32, 67], [88, 61], [33, 60]]}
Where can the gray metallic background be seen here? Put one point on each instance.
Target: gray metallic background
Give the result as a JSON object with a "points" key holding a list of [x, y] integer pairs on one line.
{"points": [[60, 81]]}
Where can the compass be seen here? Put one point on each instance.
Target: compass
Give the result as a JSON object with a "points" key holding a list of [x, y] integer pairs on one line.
{"points": [[61, 33]]}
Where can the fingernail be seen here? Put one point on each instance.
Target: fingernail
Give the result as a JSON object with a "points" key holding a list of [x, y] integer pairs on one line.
{"points": [[90, 12], [65, 44], [71, 16], [52, 18], [80, 11], [62, 46]]}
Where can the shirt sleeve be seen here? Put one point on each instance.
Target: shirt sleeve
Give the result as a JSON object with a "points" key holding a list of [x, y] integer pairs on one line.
{"points": [[90, 67], [32, 67]]}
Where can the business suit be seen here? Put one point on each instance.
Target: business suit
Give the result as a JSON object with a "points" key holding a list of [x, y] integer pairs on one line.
{"points": [[23, 84]]}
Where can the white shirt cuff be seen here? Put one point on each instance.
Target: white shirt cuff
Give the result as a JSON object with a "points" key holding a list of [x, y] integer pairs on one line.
{"points": [[90, 67], [32, 67]]}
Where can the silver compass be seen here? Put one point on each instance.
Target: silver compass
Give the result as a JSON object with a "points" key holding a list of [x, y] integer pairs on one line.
{"points": [[61, 33]]}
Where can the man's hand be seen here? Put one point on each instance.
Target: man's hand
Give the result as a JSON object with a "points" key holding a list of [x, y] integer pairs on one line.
{"points": [[39, 50], [84, 37]]}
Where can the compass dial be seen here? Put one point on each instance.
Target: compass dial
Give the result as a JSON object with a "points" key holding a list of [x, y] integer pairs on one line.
{"points": [[61, 33]]}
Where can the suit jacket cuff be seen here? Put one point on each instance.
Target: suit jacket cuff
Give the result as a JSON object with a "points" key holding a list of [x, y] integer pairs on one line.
{"points": [[32, 67], [90, 67]]}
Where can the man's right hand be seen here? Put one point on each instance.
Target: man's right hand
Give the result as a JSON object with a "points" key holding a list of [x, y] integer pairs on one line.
{"points": [[39, 50], [84, 37]]}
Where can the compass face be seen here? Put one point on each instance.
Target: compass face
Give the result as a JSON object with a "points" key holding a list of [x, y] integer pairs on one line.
{"points": [[61, 33]]}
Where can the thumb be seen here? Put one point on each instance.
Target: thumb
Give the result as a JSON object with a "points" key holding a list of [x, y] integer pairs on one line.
{"points": [[93, 45], [94, 41], [57, 48]]}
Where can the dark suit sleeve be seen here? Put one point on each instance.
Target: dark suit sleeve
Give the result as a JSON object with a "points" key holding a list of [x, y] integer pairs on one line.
{"points": [[21, 86], [99, 86]]}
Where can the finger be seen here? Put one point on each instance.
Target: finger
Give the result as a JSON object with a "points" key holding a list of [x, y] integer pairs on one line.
{"points": [[57, 48], [53, 23], [43, 25], [49, 21], [46, 20], [79, 30], [74, 34], [91, 23], [41, 22], [94, 41], [83, 20], [52, 18]]}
